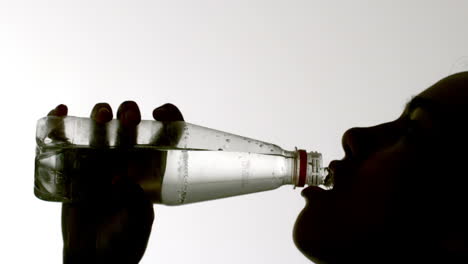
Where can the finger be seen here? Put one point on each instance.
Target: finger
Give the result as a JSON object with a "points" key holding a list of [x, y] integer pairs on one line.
{"points": [[167, 112], [102, 113], [60, 110], [100, 175], [129, 114], [129, 117], [56, 125]]}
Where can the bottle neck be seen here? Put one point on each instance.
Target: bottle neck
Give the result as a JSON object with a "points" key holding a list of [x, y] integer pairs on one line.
{"points": [[308, 169]]}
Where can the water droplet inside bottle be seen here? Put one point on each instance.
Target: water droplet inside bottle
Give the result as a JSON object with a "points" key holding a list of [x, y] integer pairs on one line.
{"points": [[261, 145]]}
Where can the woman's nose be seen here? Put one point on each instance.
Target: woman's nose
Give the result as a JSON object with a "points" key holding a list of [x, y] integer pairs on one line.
{"points": [[357, 142], [360, 142]]}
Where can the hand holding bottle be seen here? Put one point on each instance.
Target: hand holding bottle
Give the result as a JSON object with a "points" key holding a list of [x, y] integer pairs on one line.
{"points": [[116, 228], [174, 162]]}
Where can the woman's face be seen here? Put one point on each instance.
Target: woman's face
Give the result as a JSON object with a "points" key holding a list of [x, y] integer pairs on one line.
{"points": [[385, 184]]}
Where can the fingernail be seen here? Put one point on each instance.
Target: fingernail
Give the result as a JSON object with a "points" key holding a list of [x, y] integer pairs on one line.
{"points": [[61, 110], [103, 115], [166, 107], [167, 112], [131, 117], [103, 111], [159, 110]]}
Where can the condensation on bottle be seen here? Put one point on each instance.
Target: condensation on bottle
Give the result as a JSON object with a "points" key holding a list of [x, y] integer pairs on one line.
{"points": [[174, 163]]}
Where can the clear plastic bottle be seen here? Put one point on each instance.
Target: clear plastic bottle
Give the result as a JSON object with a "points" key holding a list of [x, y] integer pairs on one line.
{"points": [[174, 162]]}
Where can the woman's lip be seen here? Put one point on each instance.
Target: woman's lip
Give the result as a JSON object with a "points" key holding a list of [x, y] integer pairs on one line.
{"points": [[336, 167], [334, 164], [312, 191], [316, 190], [341, 171]]}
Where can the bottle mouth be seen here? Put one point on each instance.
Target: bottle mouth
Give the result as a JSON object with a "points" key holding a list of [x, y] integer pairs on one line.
{"points": [[309, 170]]}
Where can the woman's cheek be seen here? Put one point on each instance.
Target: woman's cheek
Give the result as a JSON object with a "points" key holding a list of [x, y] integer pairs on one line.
{"points": [[377, 185]]}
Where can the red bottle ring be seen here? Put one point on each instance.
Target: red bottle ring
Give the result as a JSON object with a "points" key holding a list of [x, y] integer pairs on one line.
{"points": [[302, 168]]}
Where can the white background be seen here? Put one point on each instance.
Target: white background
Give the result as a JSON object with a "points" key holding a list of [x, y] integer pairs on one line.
{"points": [[294, 73]]}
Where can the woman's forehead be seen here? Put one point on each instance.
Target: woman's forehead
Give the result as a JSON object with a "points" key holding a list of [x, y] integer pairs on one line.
{"points": [[451, 92]]}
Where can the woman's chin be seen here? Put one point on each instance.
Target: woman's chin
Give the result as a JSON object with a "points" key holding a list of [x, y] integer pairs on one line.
{"points": [[308, 234]]}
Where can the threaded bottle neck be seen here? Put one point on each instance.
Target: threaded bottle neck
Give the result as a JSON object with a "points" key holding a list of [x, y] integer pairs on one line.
{"points": [[308, 169]]}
